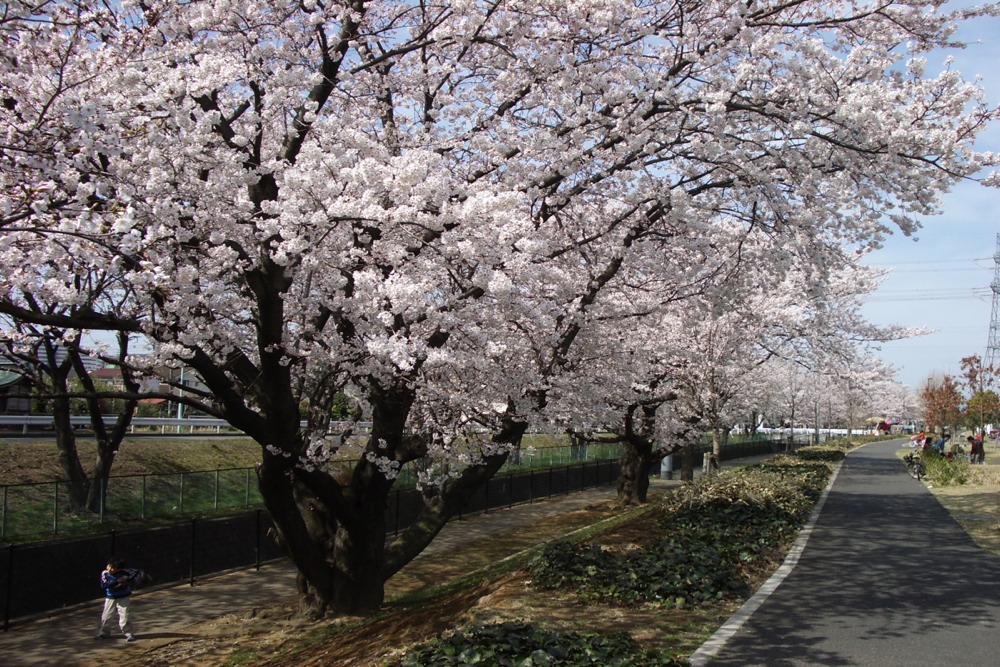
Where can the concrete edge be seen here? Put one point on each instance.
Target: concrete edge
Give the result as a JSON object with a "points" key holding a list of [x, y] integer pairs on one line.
{"points": [[717, 641]]}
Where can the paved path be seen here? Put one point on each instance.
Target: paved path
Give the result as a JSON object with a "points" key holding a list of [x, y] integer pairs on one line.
{"points": [[886, 578]]}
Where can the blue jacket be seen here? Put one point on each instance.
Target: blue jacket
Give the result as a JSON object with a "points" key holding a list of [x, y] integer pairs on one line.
{"points": [[119, 584]]}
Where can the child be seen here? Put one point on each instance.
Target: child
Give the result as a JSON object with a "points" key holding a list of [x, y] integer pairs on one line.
{"points": [[117, 582]]}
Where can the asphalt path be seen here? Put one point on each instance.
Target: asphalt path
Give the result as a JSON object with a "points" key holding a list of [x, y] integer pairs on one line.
{"points": [[886, 577]]}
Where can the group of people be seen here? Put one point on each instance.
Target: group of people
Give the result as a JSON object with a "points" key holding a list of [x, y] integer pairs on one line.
{"points": [[977, 452]]}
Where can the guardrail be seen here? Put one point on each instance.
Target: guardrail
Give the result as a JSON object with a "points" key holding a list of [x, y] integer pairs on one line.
{"points": [[155, 424]]}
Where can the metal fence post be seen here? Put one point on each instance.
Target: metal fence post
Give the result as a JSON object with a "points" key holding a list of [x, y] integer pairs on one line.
{"points": [[9, 593], [55, 508], [3, 519], [102, 491], [142, 498], [257, 540], [396, 523], [180, 504], [194, 523], [215, 500]]}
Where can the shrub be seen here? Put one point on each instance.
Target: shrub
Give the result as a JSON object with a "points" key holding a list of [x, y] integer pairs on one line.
{"points": [[944, 471]]}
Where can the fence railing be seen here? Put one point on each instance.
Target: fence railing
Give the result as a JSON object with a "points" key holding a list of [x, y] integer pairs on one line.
{"points": [[31, 510]]}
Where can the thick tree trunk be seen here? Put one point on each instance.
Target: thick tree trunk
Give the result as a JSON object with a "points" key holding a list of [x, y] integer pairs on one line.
{"points": [[633, 481], [102, 469], [334, 534], [687, 462], [331, 522]]}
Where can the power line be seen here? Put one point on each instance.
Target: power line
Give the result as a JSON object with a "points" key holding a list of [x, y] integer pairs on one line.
{"points": [[963, 269], [935, 261], [944, 294]]}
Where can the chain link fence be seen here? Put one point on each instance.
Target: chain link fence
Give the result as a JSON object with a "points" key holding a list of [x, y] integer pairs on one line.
{"points": [[31, 511]]}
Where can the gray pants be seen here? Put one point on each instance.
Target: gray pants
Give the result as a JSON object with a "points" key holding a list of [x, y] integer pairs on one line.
{"points": [[111, 605]]}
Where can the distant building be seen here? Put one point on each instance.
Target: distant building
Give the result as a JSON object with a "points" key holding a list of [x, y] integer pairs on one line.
{"points": [[111, 377], [14, 390]]}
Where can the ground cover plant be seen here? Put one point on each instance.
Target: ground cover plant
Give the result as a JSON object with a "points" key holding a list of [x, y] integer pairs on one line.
{"points": [[525, 645], [713, 533]]}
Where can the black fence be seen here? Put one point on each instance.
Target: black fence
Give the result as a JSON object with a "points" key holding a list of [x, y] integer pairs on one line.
{"points": [[44, 576]]}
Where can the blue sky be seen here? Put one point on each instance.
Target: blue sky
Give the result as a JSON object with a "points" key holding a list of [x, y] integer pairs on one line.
{"points": [[941, 276]]}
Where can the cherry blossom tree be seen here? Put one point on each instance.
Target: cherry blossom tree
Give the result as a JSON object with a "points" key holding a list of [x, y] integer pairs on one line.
{"points": [[434, 207], [55, 360]]}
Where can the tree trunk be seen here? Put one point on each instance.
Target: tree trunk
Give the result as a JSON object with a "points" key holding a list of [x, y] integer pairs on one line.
{"points": [[687, 462], [108, 443], [333, 527], [333, 533], [69, 458], [102, 470], [633, 481], [790, 444]]}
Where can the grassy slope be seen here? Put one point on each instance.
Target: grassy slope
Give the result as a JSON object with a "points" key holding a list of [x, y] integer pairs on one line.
{"points": [[30, 461], [976, 505]]}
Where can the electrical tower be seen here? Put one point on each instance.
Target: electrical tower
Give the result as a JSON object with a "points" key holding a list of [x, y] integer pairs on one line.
{"points": [[993, 346]]}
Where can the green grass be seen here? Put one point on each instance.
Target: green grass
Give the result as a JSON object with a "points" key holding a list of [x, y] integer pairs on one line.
{"points": [[37, 510]]}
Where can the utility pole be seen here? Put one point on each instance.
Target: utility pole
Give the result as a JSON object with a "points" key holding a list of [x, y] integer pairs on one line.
{"points": [[993, 346]]}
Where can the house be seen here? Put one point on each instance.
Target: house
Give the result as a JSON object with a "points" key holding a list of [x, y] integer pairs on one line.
{"points": [[14, 393], [111, 379]]}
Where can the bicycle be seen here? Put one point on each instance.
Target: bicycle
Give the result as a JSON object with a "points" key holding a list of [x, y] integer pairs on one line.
{"points": [[915, 466]]}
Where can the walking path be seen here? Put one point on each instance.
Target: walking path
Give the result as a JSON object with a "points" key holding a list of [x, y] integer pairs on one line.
{"points": [[886, 577]]}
